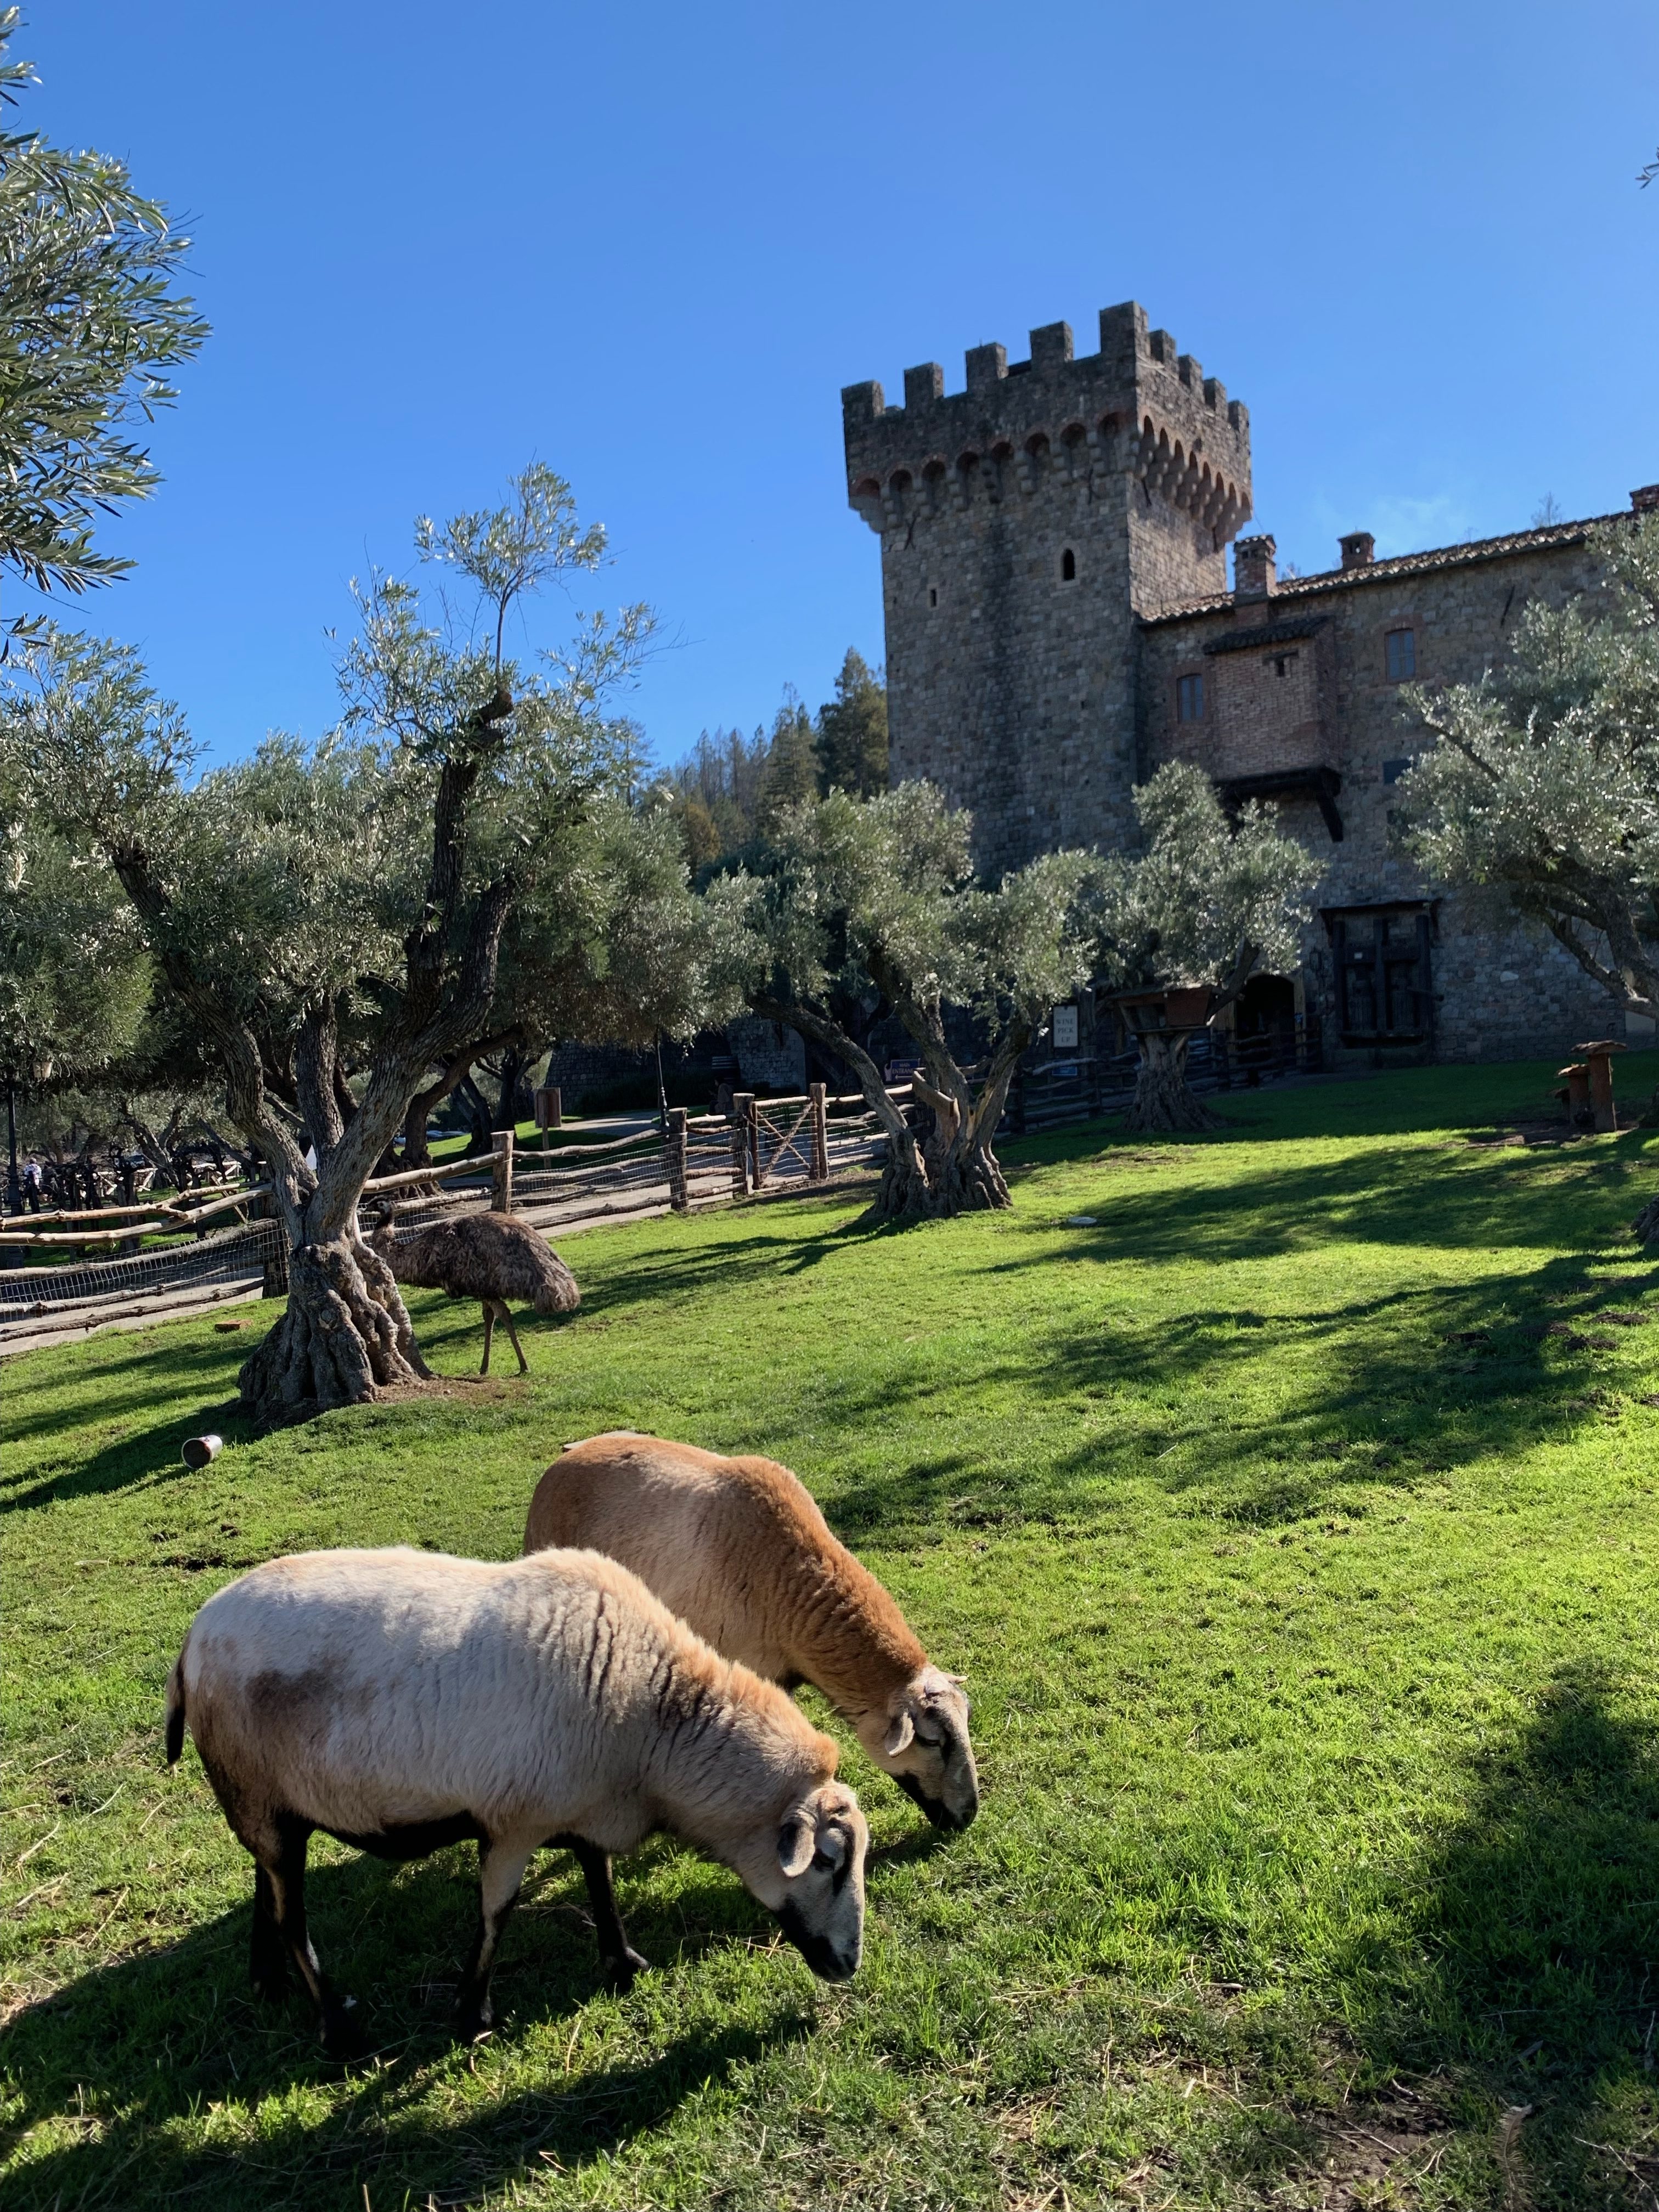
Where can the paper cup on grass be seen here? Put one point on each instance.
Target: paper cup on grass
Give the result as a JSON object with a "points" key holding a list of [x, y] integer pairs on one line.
{"points": [[200, 1451]]}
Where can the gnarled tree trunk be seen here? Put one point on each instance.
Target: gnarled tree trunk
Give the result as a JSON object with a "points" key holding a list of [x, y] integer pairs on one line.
{"points": [[954, 1169], [346, 1335], [1163, 1100]]}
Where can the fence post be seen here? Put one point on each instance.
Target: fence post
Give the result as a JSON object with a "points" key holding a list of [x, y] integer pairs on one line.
{"points": [[743, 1107], [756, 1172], [677, 1200], [817, 1092], [500, 1174]]}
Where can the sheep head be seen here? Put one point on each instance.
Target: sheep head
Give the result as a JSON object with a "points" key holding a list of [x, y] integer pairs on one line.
{"points": [[922, 1739]]}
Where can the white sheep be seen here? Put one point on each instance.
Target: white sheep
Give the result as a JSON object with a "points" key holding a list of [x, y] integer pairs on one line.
{"points": [[738, 1549], [402, 1700]]}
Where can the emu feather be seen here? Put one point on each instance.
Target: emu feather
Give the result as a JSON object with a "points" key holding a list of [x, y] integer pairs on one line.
{"points": [[491, 1257]]}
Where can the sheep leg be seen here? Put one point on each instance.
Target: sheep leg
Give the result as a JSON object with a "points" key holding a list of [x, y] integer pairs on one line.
{"points": [[619, 1957], [506, 1317], [490, 1330], [286, 1874], [501, 1874], [267, 1954]]}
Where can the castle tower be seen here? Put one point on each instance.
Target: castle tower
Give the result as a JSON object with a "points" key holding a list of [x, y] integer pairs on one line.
{"points": [[1026, 524]]}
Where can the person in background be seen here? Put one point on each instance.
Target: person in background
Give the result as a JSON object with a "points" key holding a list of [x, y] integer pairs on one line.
{"points": [[32, 1184]]}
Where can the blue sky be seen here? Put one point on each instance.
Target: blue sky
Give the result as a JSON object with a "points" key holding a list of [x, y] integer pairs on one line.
{"points": [[648, 246]]}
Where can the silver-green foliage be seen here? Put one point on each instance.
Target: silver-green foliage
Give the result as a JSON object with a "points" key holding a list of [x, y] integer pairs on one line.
{"points": [[90, 334], [874, 902], [1206, 900], [74, 975], [1542, 781]]}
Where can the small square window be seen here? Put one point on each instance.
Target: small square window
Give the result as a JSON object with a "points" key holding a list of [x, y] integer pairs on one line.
{"points": [[933, 595], [1189, 699], [1399, 648], [1394, 770], [1068, 567]]}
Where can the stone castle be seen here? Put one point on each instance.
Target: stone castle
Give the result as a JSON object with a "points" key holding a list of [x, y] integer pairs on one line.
{"points": [[1059, 623]]}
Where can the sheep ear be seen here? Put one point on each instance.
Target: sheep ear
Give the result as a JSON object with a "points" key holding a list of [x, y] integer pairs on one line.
{"points": [[795, 1844], [900, 1730]]}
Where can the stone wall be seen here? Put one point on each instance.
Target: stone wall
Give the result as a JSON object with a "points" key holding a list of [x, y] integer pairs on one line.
{"points": [[1300, 678], [1053, 563], [769, 1056]]}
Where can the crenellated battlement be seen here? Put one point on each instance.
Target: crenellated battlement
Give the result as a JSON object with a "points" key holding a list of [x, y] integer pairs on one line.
{"points": [[1137, 407]]}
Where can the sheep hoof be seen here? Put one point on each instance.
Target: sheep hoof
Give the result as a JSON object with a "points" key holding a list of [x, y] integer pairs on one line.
{"points": [[621, 1967], [473, 2023], [272, 1987], [342, 2036]]}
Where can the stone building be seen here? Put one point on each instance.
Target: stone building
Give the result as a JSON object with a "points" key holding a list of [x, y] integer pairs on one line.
{"points": [[1059, 623]]}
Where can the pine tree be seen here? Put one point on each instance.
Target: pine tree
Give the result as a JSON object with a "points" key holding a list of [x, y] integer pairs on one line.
{"points": [[852, 731]]}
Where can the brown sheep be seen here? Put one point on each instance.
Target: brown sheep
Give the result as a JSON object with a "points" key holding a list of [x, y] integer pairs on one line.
{"points": [[488, 1256], [739, 1549]]}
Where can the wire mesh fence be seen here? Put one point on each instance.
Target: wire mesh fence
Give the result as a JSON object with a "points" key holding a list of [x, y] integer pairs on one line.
{"points": [[35, 1301]]}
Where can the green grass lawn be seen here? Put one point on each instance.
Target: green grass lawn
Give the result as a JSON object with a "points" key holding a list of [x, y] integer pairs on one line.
{"points": [[1306, 1593]]}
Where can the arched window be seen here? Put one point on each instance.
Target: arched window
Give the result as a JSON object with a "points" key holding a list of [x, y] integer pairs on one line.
{"points": [[1068, 567]]}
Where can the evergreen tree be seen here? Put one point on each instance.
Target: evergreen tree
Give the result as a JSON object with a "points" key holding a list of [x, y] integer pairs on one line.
{"points": [[852, 731]]}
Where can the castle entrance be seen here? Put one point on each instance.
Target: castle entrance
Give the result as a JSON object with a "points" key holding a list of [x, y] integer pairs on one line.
{"points": [[1264, 1027]]}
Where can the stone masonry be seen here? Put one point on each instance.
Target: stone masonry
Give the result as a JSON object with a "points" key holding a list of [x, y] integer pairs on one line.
{"points": [[1058, 623], [1026, 524]]}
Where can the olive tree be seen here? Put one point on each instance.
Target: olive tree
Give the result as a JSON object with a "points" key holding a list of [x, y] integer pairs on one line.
{"points": [[1541, 783], [875, 900], [359, 886], [1206, 901], [606, 947], [90, 334]]}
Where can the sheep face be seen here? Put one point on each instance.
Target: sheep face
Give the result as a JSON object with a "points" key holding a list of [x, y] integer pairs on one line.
{"points": [[810, 1872], [922, 1741]]}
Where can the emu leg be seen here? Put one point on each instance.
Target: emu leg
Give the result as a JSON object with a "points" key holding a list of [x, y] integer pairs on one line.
{"points": [[287, 1876], [267, 1953], [490, 1330], [621, 1961], [502, 1308], [501, 1874]]}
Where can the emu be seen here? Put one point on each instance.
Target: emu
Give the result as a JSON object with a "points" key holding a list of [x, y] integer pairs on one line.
{"points": [[488, 1256]]}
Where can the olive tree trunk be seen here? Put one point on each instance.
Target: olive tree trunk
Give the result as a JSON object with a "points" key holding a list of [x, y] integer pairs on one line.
{"points": [[345, 1336], [953, 1170], [1163, 1100]]}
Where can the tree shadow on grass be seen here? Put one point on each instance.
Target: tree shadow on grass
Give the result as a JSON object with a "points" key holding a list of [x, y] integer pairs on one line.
{"points": [[1538, 1978], [1384, 1391], [146, 1455], [1408, 1195], [1520, 1974], [160, 2037]]}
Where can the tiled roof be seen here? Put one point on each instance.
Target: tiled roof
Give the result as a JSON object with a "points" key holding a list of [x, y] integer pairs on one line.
{"points": [[1403, 564]]}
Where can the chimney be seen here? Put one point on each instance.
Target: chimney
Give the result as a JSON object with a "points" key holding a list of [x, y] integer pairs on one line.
{"points": [[1254, 574], [1644, 500], [1359, 549]]}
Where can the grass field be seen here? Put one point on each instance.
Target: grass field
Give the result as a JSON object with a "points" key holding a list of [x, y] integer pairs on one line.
{"points": [[1306, 1592]]}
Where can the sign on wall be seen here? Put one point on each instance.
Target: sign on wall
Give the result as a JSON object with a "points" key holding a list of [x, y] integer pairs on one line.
{"points": [[1064, 1030]]}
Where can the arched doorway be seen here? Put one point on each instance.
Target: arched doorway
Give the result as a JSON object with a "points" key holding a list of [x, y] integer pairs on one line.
{"points": [[1264, 1026]]}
